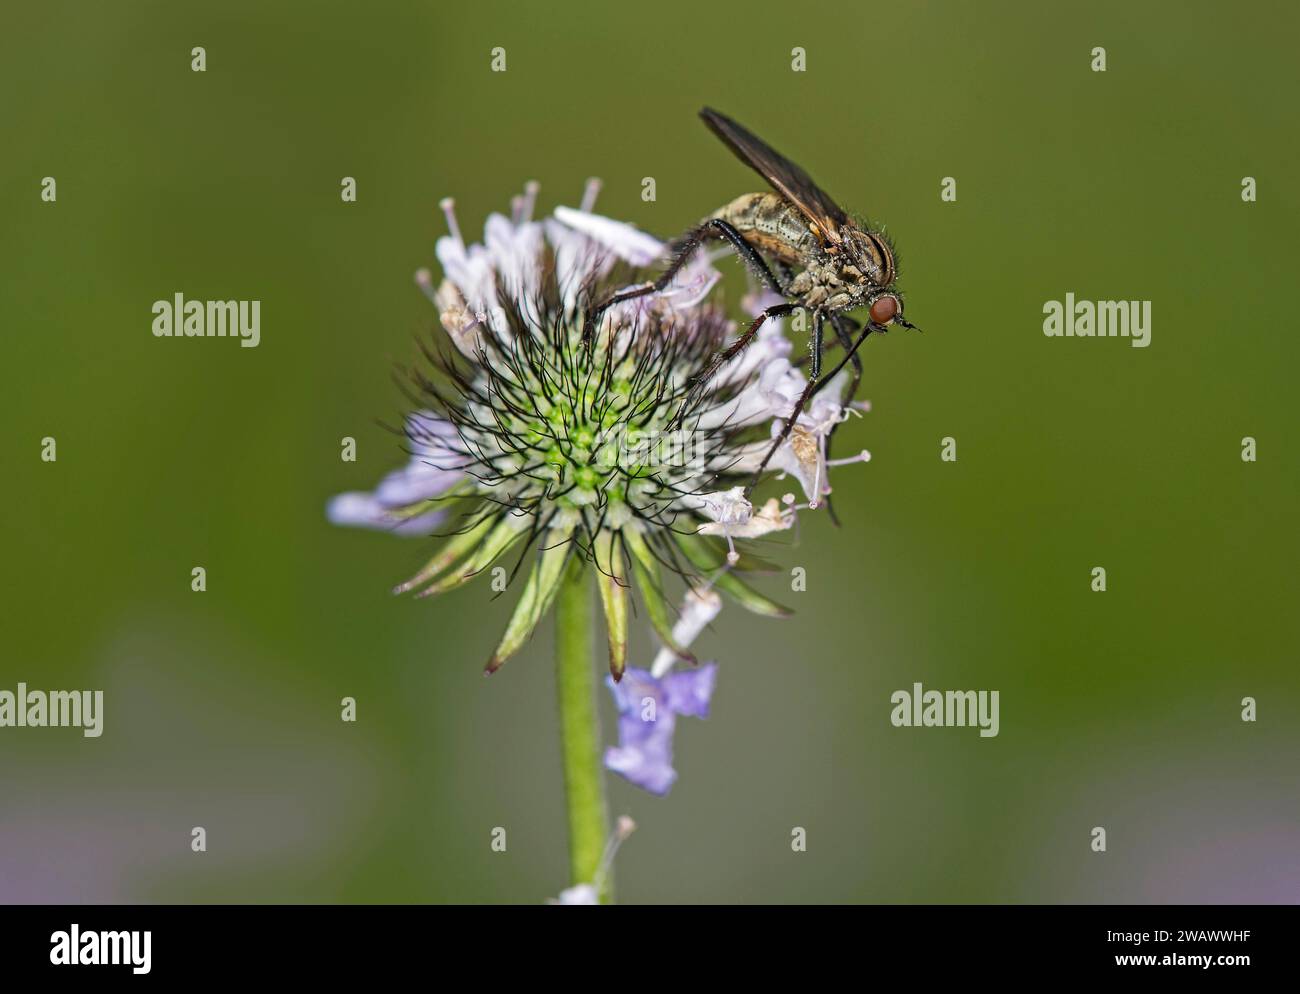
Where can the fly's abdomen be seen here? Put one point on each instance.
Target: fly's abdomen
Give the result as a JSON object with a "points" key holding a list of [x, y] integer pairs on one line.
{"points": [[772, 225]]}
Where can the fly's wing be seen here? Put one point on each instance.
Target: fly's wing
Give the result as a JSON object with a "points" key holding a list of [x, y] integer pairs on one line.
{"points": [[785, 177]]}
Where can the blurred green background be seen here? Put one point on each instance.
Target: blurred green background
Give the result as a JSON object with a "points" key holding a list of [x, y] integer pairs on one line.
{"points": [[1119, 709]]}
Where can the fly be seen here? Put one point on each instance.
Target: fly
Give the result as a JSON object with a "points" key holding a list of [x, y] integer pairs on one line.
{"points": [[828, 264]]}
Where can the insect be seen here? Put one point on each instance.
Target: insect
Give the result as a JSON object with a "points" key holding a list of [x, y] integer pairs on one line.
{"points": [[828, 264]]}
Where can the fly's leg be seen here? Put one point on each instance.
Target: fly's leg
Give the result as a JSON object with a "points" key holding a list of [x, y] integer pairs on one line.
{"points": [[724, 356], [712, 228], [852, 356], [814, 376], [716, 227], [844, 328]]}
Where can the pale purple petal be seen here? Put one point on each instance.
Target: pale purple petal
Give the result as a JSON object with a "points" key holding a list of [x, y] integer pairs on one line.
{"points": [[688, 691], [756, 303], [362, 510], [434, 468], [644, 755], [418, 481]]}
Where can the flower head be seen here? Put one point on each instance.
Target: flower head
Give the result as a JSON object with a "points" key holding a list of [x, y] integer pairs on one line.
{"points": [[531, 445]]}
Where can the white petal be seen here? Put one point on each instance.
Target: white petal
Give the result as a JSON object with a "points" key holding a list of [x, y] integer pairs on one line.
{"points": [[688, 288], [578, 894], [698, 611], [803, 456], [578, 260], [771, 517], [726, 507], [749, 407], [782, 384], [457, 319], [625, 241], [516, 254]]}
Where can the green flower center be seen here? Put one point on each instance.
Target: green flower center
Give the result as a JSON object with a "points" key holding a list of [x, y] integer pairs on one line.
{"points": [[557, 424]]}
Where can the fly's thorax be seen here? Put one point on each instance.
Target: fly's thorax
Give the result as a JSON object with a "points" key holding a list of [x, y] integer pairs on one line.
{"points": [[866, 256], [826, 285]]}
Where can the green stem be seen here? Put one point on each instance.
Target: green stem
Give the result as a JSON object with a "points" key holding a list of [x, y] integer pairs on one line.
{"points": [[579, 729]]}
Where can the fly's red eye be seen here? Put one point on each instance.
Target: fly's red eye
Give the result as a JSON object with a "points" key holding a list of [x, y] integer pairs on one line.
{"points": [[883, 309]]}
